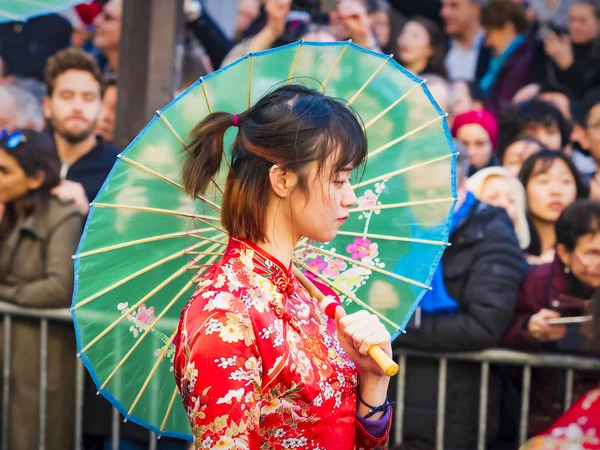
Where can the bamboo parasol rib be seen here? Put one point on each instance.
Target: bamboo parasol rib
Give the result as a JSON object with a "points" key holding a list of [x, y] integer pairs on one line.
{"points": [[401, 205], [349, 294], [405, 136], [393, 105], [160, 358], [133, 308], [162, 237], [367, 266], [168, 212], [337, 61], [390, 175], [137, 274], [391, 238], [169, 409], [364, 86], [289, 78]]}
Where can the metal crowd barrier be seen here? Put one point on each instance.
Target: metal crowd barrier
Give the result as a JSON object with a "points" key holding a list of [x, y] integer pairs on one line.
{"points": [[485, 358], [569, 363]]}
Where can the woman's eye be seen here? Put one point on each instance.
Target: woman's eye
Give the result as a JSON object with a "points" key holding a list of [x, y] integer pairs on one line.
{"points": [[341, 182]]}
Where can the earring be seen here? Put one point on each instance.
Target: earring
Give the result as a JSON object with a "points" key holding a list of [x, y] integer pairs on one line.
{"points": [[567, 269]]}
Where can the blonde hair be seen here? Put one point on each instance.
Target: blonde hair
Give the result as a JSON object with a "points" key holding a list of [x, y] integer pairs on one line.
{"points": [[475, 184]]}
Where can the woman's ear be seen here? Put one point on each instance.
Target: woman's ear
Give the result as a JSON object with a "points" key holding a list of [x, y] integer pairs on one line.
{"points": [[564, 255], [282, 181], [36, 181]]}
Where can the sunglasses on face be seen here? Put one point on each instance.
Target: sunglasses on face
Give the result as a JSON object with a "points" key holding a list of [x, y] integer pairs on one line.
{"points": [[13, 140]]}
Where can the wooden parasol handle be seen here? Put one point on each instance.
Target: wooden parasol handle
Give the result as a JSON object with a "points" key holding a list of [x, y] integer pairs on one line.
{"points": [[387, 364]]}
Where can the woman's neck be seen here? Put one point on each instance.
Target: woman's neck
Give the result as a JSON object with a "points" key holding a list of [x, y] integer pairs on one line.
{"points": [[280, 240], [547, 234]]}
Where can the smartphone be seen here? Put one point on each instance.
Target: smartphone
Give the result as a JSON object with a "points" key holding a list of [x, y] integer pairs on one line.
{"points": [[569, 320]]}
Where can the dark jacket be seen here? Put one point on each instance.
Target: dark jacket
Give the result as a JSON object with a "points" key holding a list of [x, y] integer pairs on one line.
{"points": [[25, 47], [36, 271], [482, 270], [513, 76], [547, 286], [583, 75]]}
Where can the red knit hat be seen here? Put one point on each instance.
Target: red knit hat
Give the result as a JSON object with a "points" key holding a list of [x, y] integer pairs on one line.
{"points": [[481, 117]]}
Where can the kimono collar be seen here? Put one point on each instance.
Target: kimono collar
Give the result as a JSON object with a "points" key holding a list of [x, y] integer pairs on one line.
{"points": [[264, 264]]}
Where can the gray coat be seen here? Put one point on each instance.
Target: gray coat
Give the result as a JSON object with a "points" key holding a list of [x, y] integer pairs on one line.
{"points": [[36, 271]]}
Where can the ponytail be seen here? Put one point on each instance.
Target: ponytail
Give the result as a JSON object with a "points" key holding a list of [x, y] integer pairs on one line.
{"points": [[205, 152]]}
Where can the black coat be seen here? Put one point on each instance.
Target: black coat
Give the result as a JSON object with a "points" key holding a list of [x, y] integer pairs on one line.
{"points": [[482, 271]]}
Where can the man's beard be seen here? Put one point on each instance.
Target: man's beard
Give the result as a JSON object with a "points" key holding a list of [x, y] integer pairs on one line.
{"points": [[71, 137]]}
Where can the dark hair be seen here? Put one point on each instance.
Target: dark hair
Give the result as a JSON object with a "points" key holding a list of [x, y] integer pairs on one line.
{"points": [[36, 154], [501, 152], [555, 88], [498, 13], [530, 168], [594, 4], [291, 127], [589, 101], [70, 59], [517, 118], [437, 42], [578, 219]]}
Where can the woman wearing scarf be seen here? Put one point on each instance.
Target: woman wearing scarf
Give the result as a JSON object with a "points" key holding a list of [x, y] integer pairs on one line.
{"points": [[258, 363], [506, 28]]}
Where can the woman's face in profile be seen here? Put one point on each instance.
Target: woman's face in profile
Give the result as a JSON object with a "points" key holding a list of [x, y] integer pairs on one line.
{"points": [[330, 195], [14, 182]]}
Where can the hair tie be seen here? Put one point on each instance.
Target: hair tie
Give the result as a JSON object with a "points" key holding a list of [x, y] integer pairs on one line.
{"points": [[235, 120]]}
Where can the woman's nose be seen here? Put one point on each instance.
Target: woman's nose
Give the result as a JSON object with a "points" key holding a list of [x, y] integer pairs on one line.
{"points": [[349, 198]]}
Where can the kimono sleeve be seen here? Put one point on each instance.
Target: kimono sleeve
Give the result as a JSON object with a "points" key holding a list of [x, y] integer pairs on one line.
{"points": [[373, 435], [218, 371]]}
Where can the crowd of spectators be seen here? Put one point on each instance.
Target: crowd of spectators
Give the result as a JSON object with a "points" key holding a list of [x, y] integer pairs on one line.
{"points": [[520, 81]]}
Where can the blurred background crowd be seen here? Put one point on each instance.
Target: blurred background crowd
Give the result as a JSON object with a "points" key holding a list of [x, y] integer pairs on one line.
{"points": [[520, 81]]}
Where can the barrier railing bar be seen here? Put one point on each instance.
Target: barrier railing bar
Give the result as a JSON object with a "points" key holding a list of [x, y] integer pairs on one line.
{"points": [[399, 406], [526, 393], [116, 429], [79, 389], [511, 357], [569, 388], [43, 381], [483, 405], [441, 404], [153, 443], [6, 381]]}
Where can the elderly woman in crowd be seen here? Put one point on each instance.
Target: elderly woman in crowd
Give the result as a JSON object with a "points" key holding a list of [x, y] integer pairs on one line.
{"points": [[551, 183], [558, 290], [478, 132], [497, 187], [38, 235]]}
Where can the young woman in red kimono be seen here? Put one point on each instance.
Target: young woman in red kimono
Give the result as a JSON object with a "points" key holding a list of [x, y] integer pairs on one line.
{"points": [[258, 364]]}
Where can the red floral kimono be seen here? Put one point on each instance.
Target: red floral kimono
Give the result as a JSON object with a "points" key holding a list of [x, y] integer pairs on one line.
{"points": [[576, 429], [259, 365]]}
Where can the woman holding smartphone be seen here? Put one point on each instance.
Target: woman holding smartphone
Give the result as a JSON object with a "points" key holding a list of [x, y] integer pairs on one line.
{"points": [[559, 292]]}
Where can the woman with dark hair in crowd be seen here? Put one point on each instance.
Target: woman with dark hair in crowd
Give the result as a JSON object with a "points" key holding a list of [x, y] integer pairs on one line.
{"points": [[516, 153], [551, 183], [559, 289], [420, 47], [38, 235], [537, 119], [275, 371], [506, 29]]}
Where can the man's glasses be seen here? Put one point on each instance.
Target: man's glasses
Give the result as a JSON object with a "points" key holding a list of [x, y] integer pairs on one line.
{"points": [[13, 140]]}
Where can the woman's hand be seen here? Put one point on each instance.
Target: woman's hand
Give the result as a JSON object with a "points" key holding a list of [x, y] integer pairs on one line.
{"points": [[539, 329], [354, 18], [357, 333]]}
